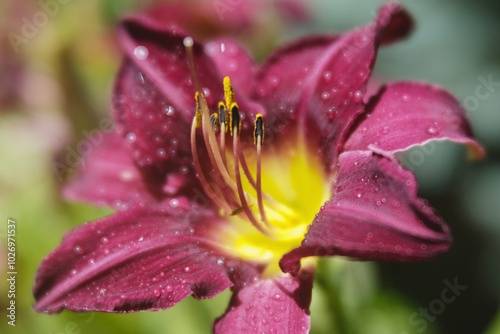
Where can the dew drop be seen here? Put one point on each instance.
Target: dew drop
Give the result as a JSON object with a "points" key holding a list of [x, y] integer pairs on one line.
{"points": [[169, 110], [325, 96], [174, 202], [385, 130], [130, 137], [104, 240], [358, 96], [74, 272], [206, 91], [278, 297], [220, 261], [140, 239], [423, 247], [78, 250], [406, 98], [327, 76], [141, 52], [432, 131], [187, 269], [359, 195], [161, 153], [169, 288]]}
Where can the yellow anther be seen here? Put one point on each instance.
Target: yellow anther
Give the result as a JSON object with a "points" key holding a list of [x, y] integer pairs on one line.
{"points": [[258, 133], [228, 91], [198, 109], [235, 119]]}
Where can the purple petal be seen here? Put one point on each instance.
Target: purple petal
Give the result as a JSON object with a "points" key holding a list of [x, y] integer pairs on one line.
{"points": [[326, 91], [108, 176], [233, 61], [279, 305], [153, 100], [405, 114], [134, 260], [374, 214]]}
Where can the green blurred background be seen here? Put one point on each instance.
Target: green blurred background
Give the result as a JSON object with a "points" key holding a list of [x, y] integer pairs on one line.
{"points": [[55, 86]]}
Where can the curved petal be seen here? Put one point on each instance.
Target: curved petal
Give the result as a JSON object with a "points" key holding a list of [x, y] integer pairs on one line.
{"points": [[108, 176], [405, 114], [153, 98], [134, 260], [233, 61], [279, 305], [374, 214], [326, 92]]}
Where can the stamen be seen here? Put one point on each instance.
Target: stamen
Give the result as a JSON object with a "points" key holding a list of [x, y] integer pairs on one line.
{"points": [[223, 130], [259, 139], [241, 194], [213, 120], [222, 116], [235, 119], [196, 161]]}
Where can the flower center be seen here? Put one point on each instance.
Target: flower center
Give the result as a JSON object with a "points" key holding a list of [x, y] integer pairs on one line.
{"points": [[268, 196]]}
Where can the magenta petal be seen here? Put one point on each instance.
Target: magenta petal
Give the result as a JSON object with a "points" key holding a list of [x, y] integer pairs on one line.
{"points": [[134, 260], [329, 77], [390, 127], [233, 61], [279, 305], [153, 98], [108, 176], [374, 214]]}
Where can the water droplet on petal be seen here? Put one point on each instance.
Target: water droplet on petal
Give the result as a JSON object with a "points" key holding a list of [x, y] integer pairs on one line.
{"points": [[169, 110], [104, 240], [432, 131], [406, 98], [141, 52], [174, 202], [220, 261], [78, 250], [161, 153], [187, 269], [325, 96], [74, 272], [359, 195], [358, 96], [130, 137], [327, 76]]}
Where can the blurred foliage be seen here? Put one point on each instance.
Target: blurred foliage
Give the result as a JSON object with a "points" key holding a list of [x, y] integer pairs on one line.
{"points": [[58, 84]]}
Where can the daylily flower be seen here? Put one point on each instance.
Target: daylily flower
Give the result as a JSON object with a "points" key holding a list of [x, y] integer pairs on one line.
{"points": [[306, 169]]}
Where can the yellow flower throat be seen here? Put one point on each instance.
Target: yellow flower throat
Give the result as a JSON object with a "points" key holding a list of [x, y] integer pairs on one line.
{"points": [[267, 197]]}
